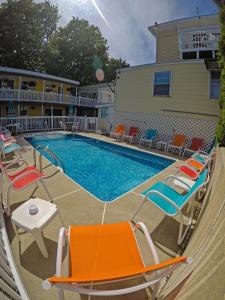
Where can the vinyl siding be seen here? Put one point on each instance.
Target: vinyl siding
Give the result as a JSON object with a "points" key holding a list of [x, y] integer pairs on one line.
{"points": [[189, 91], [167, 49]]}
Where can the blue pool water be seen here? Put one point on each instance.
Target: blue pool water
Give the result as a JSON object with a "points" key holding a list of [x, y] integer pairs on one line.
{"points": [[105, 170]]}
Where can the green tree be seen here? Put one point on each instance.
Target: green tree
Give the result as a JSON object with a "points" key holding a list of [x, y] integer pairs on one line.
{"points": [[220, 132], [111, 67], [77, 50], [25, 29], [73, 48]]}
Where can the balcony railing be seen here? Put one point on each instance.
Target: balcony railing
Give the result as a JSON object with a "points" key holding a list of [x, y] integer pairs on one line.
{"points": [[199, 40], [34, 96]]}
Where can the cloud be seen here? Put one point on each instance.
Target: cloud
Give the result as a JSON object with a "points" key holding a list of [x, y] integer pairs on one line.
{"points": [[128, 20]]}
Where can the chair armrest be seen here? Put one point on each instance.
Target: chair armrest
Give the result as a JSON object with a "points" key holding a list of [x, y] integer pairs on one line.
{"points": [[61, 240], [141, 225], [202, 152], [15, 162]]}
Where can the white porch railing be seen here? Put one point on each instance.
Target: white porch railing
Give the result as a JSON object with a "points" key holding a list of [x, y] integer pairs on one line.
{"points": [[11, 286], [202, 39], [49, 123], [22, 95]]}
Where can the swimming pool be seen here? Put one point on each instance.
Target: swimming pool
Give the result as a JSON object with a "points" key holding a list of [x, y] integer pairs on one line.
{"points": [[105, 170]]}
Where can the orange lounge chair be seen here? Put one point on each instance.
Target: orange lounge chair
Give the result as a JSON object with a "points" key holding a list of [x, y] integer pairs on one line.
{"points": [[196, 145], [107, 253], [177, 143], [118, 132], [131, 134]]}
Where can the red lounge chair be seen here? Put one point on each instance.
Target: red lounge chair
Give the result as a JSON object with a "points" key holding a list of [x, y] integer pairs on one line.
{"points": [[131, 134], [196, 144], [20, 179]]}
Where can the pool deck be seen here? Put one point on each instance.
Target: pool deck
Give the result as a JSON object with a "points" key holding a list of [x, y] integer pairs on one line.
{"points": [[77, 206]]}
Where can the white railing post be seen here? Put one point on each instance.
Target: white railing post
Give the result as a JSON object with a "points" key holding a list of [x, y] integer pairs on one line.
{"points": [[52, 121], [85, 123]]}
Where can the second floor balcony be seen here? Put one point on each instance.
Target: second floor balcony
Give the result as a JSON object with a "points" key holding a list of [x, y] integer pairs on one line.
{"points": [[199, 39], [43, 97]]}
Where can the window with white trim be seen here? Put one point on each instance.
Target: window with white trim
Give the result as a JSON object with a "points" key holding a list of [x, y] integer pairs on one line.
{"points": [[162, 83], [214, 84]]}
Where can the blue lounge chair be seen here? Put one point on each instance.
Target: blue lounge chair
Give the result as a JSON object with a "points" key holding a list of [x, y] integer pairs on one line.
{"points": [[149, 137], [6, 149], [169, 201]]}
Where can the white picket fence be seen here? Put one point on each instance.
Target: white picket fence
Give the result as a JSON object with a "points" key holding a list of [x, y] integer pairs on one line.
{"points": [[11, 286], [49, 123]]}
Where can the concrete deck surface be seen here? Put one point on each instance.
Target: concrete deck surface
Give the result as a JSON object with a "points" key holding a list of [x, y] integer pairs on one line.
{"points": [[77, 206]]}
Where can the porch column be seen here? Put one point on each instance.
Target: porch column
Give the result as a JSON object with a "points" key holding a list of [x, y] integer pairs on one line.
{"points": [[42, 110], [43, 92], [19, 89], [18, 109], [60, 96], [52, 117]]}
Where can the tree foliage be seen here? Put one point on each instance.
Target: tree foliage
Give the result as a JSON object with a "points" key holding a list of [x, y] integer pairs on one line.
{"points": [[30, 39], [25, 28], [220, 132], [73, 48]]}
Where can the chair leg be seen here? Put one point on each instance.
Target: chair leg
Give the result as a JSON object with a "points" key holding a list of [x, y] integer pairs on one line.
{"points": [[46, 190], [61, 294], [7, 207], [182, 234], [38, 235]]}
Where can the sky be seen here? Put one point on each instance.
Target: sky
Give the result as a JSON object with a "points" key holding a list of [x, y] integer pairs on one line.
{"points": [[124, 23]]}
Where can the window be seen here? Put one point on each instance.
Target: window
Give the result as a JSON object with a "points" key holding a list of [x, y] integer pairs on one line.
{"points": [[6, 83], [162, 82], [214, 84], [189, 55], [205, 54], [28, 85], [104, 112], [23, 110]]}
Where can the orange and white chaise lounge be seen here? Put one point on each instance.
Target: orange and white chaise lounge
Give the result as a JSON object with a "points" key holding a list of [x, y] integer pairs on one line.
{"points": [[119, 131], [104, 254]]}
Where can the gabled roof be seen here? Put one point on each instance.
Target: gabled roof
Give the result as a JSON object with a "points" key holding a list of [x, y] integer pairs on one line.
{"points": [[43, 76]]}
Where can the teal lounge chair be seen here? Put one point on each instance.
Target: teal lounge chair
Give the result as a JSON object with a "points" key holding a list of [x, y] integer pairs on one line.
{"points": [[6, 149], [149, 137], [169, 201]]}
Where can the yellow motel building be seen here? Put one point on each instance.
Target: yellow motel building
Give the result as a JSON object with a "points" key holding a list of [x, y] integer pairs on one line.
{"points": [[26, 96], [27, 93], [179, 92]]}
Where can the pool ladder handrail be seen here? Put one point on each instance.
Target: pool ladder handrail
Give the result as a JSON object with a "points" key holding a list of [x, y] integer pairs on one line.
{"points": [[58, 162]]}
